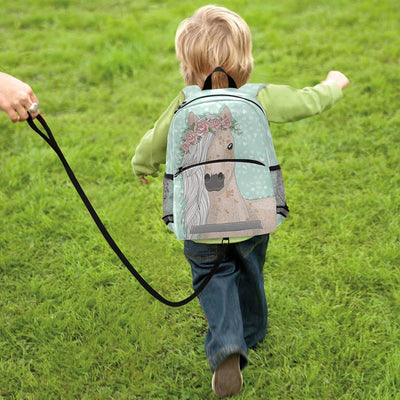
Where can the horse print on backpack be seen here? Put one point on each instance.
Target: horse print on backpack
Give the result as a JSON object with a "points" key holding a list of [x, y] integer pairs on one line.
{"points": [[217, 185], [214, 202]]}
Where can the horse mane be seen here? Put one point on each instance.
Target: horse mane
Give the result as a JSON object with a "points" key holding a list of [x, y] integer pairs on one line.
{"points": [[195, 192]]}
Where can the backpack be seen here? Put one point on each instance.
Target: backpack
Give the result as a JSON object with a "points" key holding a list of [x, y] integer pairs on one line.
{"points": [[222, 177]]}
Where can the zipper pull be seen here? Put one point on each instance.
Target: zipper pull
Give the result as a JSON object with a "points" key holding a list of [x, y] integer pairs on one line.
{"points": [[181, 106], [177, 173]]}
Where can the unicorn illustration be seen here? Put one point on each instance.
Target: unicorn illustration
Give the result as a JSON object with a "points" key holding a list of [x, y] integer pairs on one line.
{"points": [[214, 203]]}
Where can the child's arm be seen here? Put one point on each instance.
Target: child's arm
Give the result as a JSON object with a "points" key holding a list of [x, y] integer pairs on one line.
{"points": [[285, 104], [151, 151]]}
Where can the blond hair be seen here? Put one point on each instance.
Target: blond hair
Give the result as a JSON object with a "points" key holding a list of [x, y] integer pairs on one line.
{"points": [[214, 37]]}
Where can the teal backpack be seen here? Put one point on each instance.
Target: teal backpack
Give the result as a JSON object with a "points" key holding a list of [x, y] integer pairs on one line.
{"points": [[222, 176]]}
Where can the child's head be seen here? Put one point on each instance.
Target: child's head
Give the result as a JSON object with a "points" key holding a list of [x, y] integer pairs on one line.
{"points": [[214, 37]]}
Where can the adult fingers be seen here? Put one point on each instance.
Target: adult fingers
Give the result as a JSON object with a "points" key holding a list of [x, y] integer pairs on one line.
{"points": [[21, 110], [33, 97], [12, 114], [27, 102]]}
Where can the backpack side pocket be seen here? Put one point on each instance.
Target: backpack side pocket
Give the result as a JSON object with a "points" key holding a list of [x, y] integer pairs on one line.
{"points": [[279, 190], [168, 198]]}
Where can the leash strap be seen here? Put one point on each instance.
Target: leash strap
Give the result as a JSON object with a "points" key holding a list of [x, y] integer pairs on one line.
{"points": [[51, 141]]}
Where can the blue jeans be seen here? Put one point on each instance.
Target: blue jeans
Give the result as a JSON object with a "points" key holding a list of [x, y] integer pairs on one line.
{"points": [[234, 300]]}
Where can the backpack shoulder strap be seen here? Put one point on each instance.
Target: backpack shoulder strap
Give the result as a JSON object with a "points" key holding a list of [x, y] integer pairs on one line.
{"points": [[252, 89], [191, 91]]}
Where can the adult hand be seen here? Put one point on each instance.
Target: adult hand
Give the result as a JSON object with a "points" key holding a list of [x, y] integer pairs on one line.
{"points": [[16, 98]]}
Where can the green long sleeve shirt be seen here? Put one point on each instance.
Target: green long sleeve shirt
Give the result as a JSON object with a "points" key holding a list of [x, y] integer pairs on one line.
{"points": [[281, 103]]}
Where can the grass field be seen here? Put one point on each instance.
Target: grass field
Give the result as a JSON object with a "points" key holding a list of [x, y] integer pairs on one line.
{"points": [[75, 325]]}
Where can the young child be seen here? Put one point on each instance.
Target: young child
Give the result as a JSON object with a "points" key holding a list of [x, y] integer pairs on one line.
{"points": [[234, 300]]}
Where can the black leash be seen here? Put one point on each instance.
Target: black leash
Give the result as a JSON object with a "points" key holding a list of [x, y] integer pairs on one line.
{"points": [[51, 141]]}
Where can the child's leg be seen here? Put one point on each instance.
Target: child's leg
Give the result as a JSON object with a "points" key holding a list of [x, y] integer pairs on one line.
{"points": [[220, 302], [251, 258]]}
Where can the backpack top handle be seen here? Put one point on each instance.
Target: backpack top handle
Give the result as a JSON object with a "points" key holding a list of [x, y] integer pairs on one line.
{"points": [[208, 81]]}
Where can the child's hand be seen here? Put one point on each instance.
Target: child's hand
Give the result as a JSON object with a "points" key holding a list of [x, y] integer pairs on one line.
{"points": [[144, 180], [338, 77]]}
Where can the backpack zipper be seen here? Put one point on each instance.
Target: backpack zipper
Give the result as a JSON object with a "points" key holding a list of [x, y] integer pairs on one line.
{"points": [[242, 160], [185, 103]]}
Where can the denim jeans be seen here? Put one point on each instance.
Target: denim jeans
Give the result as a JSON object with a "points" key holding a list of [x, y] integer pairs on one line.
{"points": [[234, 300]]}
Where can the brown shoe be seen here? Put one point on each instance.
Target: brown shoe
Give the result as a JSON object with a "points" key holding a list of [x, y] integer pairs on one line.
{"points": [[227, 379]]}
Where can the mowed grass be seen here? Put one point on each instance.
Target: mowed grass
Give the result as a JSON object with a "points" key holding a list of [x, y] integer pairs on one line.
{"points": [[75, 325]]}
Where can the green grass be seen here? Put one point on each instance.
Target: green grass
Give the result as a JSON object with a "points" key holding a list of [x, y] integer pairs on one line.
{"points": [[75, 325]]}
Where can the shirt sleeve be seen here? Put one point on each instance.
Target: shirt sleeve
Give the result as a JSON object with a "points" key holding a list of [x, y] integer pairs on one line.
{"points": [[286, 104], [151, 151]]}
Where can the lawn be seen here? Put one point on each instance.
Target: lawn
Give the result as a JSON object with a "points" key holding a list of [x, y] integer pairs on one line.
{"points": [[74, 324]]}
